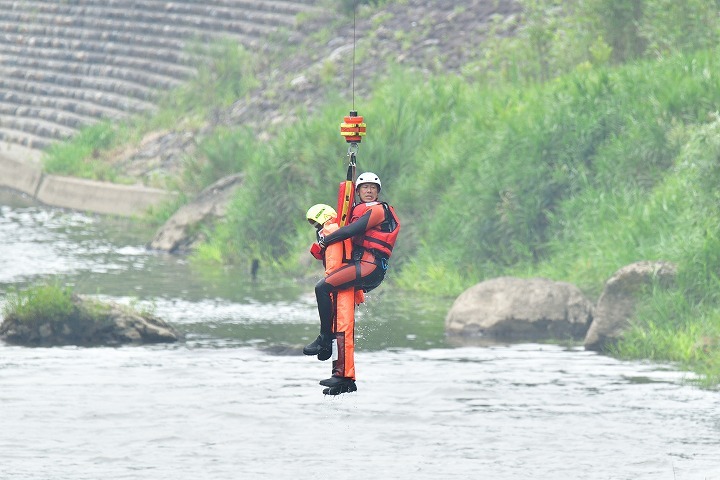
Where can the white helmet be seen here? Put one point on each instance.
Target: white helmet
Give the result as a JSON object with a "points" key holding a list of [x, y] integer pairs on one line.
{"points": [[368, 177]]}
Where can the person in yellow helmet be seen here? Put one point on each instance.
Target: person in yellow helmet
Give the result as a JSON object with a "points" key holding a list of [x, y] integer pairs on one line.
{"points": [[317, 216]]}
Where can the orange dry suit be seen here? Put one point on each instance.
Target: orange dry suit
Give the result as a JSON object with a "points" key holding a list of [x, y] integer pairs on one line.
{"points": [[373, 229]]}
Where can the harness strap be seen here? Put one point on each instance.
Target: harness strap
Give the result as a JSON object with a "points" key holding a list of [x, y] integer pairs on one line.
{"points": [[380, 258], [378, 242]]}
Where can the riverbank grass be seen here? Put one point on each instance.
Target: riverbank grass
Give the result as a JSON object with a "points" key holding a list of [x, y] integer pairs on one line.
{"points": [[667, 327]]}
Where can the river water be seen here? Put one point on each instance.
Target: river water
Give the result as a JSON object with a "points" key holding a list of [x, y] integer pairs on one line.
{"points": [[232, 401]]}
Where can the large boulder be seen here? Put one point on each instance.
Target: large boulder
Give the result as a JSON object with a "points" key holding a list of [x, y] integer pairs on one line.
{"points": [[516, 309], [181, 231], [91, 323], [617, 303]]}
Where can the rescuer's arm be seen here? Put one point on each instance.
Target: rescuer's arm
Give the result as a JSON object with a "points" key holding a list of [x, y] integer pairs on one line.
{"points": [[372, 218], [358, 227]]}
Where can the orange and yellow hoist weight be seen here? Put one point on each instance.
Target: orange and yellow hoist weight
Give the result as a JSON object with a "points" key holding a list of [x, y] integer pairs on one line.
{"points": [[353, 128]]}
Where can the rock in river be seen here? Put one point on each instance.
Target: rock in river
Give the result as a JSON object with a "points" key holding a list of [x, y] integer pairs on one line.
{"points": [[91, 323], [510, 309]]}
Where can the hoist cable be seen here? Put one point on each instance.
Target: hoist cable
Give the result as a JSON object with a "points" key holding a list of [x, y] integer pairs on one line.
{"points": [[353, 58]]}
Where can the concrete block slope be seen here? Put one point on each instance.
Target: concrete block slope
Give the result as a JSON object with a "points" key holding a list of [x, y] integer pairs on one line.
{"points": [[113, 57]]}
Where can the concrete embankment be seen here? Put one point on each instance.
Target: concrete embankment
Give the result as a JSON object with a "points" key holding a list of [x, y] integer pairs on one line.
{"points": [[76, 193]]}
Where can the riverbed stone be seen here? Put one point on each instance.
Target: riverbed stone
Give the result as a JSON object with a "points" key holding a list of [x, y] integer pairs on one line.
{"points": [[182, 231], [518, 309], [92, 323], [617, 303]]}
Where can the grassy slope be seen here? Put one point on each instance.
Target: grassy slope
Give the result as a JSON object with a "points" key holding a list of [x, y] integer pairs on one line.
{"points": [[571, 180]]}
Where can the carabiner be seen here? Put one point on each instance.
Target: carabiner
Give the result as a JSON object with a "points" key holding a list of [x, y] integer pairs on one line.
{"points": [[352, 151]]}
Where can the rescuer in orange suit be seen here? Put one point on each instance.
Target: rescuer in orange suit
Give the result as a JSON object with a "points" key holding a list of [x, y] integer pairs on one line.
{"points": [[373, 228]]}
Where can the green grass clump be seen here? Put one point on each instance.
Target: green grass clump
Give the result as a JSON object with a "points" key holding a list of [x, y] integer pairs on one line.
{"points": [[669, 328], [82, 155], [41, 303]]}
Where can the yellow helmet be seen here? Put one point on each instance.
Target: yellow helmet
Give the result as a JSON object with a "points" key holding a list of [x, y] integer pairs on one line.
{"points": [[320, 213]]}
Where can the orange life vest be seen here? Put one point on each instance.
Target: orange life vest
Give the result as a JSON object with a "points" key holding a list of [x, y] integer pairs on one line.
{"points": [[380, 238]]}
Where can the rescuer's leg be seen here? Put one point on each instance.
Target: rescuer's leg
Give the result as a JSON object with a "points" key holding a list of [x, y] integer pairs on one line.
{"points": [[335, 296], [326, 295], [344, 328], [322, 345]]}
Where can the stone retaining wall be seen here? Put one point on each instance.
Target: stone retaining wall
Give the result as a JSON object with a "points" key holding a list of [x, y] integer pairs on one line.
{"points": [[79, 194], [69, 64]]}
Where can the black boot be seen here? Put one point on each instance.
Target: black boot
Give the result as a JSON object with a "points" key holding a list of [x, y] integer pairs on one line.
{"points": [[338, 385], [322, 347]]}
